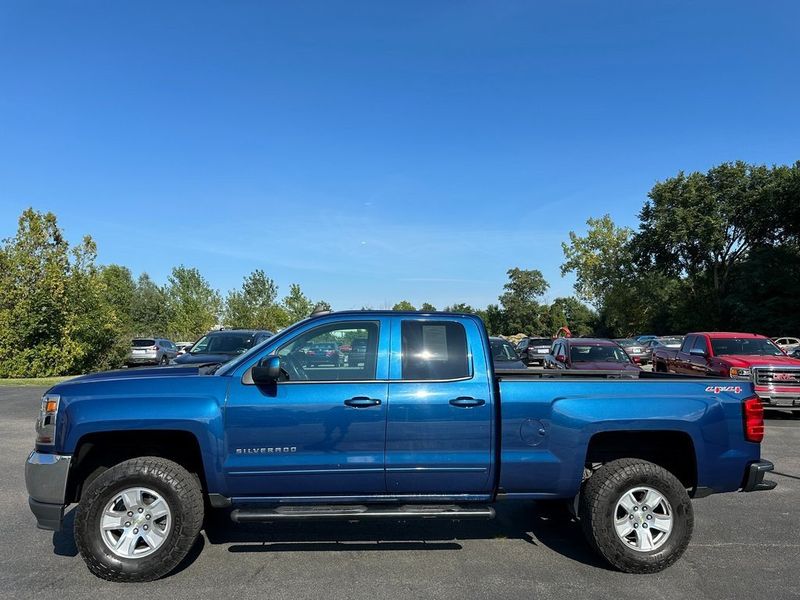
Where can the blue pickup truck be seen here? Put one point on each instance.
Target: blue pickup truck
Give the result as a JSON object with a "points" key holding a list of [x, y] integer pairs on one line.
{"points": [[422, 427]]}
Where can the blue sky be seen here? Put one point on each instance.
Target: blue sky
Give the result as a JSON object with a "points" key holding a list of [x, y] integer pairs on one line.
{"points": [[377, 151]]}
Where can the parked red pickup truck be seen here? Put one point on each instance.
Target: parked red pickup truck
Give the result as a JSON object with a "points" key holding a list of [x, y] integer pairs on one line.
{"points": [[742, 356]]}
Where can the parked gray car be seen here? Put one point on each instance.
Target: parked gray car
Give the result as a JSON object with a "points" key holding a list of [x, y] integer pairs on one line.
{"points": [[636, 350], [151, 351], [533, 351]]}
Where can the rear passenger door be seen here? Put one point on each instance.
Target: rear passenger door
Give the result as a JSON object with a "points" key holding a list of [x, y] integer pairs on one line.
{"points": [[439, 434]]}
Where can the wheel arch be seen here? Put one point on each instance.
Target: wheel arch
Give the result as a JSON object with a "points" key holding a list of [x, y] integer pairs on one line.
{"points": [[96, 452], [672, 449]]}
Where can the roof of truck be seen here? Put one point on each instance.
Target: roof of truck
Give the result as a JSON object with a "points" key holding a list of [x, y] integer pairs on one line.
{"points": [[727, 334]]}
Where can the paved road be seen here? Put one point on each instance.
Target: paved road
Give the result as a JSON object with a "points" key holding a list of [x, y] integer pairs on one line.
{"points": [[745, 546]]}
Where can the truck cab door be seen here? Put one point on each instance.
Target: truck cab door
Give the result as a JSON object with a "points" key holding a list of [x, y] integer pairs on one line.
{"points": [[699, 357], [321, 429], [440, 427], [681, 361]]}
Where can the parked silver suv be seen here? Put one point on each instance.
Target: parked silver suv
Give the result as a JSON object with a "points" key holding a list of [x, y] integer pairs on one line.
{"points": [[151, 351]]}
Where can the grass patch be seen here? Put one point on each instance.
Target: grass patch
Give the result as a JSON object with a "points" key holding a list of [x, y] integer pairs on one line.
{"points": [[34, 381]]}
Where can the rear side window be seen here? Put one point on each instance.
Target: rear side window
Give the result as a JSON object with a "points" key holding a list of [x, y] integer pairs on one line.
{"points": [[434, 350]]}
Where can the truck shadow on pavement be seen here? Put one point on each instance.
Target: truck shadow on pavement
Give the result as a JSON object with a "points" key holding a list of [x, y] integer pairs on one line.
{"points": [[540, 525]]}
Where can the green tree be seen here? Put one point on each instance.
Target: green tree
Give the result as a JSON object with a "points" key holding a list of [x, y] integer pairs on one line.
{"points": [[427, 307], [572, 313], [520, 301], [150, 309], [606, 276], [495, 319], [461, 308], [55, 317], [120, 291], [194, 306], [98, 327], [601, 260], [404, 305], [255, 305], [697, 227], [34, 302], [296, 304]]}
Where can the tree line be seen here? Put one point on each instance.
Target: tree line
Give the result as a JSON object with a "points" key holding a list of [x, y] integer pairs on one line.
{"points": [[713, 251], [61, 313], [718, 250]]}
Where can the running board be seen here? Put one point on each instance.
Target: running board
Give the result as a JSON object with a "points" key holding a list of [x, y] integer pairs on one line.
{"points": [[359, 511]]}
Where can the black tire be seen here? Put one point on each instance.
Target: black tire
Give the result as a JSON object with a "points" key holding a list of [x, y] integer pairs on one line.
{"points": [[598, 501], [164, 360], [178, 487]]}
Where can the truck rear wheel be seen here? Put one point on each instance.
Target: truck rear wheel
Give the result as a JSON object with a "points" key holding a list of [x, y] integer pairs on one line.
{"points": [[636, 515], [139, 519]]}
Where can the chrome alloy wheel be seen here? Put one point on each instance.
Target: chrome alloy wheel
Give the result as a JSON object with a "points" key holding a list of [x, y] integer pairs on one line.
{"points": [[135, 523], [643, 519]]}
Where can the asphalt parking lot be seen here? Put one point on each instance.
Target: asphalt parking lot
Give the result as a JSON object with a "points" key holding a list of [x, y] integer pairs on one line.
{"points": [[745, 546]]}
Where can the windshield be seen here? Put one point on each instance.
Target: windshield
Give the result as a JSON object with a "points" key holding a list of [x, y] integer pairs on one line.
{"points": [[224, 343], [143, 343], [231, 365], [540, 342], [627, 343], [745, 346], [598, 354], [503, 351], [670, 342]]}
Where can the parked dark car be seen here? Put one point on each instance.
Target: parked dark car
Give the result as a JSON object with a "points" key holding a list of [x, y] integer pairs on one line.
{"points": [[183, 347], [636, 350], [151, 351], [323, 353], [532, 351], [588, 354], [221, 346], [358, 352], [672, 342], [504, 355]]}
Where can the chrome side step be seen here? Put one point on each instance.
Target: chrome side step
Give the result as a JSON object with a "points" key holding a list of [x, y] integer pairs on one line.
{"points": [[354, 512]]}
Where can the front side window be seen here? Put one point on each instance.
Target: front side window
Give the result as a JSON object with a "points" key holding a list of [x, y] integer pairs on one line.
{"points": [[745, 347], [335, 352], [434, 350]]}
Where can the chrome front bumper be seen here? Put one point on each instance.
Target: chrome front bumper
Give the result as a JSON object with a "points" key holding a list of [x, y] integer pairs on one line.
{"points": [[46, 480]]}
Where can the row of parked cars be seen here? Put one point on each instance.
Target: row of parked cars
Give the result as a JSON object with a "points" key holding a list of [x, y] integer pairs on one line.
{"points": [[225, 344], [772, 365], [214, 347]]}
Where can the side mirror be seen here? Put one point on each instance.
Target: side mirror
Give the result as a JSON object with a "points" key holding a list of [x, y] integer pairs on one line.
{"points": [[267, 371], [561, 358], [697, 352]]}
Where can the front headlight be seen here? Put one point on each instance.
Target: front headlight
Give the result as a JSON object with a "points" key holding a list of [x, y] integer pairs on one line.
{"points": [[740, 373], [46, 423]]}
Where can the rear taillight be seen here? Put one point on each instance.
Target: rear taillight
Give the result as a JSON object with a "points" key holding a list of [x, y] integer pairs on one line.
{"points": [[753, 420]]}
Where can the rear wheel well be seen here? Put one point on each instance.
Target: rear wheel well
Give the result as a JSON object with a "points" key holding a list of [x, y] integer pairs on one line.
{"points": [[672, 450], [97, 452]]}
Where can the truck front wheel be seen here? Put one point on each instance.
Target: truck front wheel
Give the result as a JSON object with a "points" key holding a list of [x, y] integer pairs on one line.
{"points": [[637, 515], [139, 519]]}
